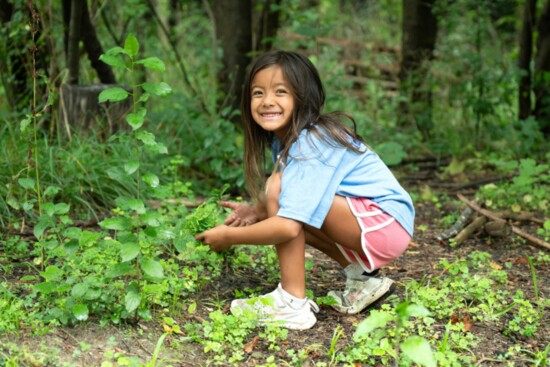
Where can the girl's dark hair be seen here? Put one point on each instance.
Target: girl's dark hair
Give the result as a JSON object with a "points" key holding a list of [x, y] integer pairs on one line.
{"points": [[309, 98]]}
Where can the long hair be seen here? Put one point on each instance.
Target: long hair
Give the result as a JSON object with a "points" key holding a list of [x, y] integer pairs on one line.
{"points": [[309, 97]]}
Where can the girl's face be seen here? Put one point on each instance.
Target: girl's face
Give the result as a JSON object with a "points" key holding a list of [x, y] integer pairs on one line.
{"points": [[271, 102]]}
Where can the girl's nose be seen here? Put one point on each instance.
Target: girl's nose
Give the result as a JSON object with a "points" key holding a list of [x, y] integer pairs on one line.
{"points": [[268, 100]]}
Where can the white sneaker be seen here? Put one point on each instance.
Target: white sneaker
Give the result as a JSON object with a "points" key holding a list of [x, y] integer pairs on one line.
{"points": [[275, 307], [361, 291]]}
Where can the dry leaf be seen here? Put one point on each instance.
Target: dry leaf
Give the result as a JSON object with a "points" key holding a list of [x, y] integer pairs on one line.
{"points": [[496, 266], [250, 346]]}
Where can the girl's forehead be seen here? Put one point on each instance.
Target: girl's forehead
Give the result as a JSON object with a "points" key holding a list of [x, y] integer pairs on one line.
{"points": [[269, 74]]}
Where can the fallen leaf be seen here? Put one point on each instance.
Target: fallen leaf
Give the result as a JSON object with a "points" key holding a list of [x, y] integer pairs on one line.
{"points": [[495, 266], [167, 328], [250, 346]]}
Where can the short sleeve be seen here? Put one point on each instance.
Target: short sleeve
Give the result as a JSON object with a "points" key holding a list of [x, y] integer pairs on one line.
{"points": [[310, 180]]}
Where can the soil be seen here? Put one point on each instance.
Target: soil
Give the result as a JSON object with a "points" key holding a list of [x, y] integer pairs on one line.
{"points": [[88, 344]]}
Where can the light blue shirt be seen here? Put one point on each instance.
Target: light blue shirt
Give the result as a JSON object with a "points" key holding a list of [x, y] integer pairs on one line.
{"points": [[316, 171]]}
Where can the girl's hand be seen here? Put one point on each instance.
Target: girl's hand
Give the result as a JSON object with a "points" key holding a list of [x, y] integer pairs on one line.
{"points": [[216, 238], [243, 214]]}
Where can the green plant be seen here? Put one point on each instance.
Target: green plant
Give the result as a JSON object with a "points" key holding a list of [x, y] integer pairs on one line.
{"points": [[384, 334]]}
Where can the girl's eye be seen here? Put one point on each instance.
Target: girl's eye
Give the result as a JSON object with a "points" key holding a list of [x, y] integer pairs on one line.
{"points": [[281, 91], [256, 93]]}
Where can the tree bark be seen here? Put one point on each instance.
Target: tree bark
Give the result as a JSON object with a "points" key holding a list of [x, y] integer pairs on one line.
{"points": [[94, 50], [233, 20], [75, 27], [267, 25], [542, 71], [525, 56], [418, 43]]}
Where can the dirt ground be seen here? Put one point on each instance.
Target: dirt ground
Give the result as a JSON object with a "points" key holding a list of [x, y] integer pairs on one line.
{"points": [[89, 345]]}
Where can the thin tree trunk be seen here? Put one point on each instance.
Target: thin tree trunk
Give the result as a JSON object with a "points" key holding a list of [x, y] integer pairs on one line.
{"points": [[418, 43], [268, 24], [542, 71], [525, 56], [94, 50], [75, 26], [233, 20]]}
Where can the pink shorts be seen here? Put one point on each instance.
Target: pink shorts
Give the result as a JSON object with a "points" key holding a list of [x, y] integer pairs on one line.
{"points": [[382, 237]]}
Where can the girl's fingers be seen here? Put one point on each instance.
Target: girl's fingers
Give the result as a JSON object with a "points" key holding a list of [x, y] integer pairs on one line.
{"points": [[229, 204]]}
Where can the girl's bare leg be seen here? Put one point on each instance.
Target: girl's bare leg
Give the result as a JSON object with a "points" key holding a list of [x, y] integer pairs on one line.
{"points": [[291, 253], [317, 239]]}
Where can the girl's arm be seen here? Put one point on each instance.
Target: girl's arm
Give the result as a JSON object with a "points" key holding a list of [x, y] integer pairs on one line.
{"points": [[272, 230]]}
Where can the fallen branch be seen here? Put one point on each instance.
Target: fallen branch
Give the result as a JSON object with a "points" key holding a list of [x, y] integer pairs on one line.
{"points": [[458, 226], [470, 228], [488, 214]]}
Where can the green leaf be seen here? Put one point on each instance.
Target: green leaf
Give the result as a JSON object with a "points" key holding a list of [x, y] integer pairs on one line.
{"points": [[61, 208], [131, 167], [131, 45], [375, 320], [117, 224], [80, 312], [146, 137], [152, 63], [419, 351], [119, 270], [152, 219], [113, 60], [117, 174], [129, 251], [152, 268], [162, 89], [157, 148], [44, 222], [132, 301], [51, 191], [114, 94], [25, 123], [45, 287], [136, 120], [79, 290], [151, 179], [52, 273], [26, 183]]}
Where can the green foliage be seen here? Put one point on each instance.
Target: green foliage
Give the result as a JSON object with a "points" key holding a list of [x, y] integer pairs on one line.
{"points": [[528, 190]]}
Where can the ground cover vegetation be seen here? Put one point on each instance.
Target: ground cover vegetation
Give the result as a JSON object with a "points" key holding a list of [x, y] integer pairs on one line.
{"points": [[98, 261]]}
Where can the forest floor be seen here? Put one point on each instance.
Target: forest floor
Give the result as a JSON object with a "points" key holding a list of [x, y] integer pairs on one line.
{"points": [[90, 345]]}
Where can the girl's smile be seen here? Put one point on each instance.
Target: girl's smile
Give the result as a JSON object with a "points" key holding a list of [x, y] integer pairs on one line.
{"points": [[272, 102]]}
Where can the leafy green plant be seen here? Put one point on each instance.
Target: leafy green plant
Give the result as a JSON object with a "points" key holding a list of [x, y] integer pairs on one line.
{"points": [[383, 334], [133, 238]]}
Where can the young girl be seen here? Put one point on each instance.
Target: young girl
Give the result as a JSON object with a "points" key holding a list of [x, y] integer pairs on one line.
{"points": [[328, 189]]}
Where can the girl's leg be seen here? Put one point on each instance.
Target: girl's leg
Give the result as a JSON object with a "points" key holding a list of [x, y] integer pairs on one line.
{"points": [[291, 253], [317, 239]]}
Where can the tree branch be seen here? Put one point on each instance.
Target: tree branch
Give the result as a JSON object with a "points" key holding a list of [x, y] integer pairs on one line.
{"points": [[519, 232]]}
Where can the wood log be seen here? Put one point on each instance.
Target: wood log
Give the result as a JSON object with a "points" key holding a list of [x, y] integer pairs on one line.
{"points": [[497, 229], [519, 232], [470, 229], [80, 111]]}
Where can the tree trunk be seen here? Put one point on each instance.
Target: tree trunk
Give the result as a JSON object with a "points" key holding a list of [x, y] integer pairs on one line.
{"points": [[418, 43], [525, 55], [80, 111], [75, 27], [542, 72], [267, 24], [233, 20], [94, 50]]}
